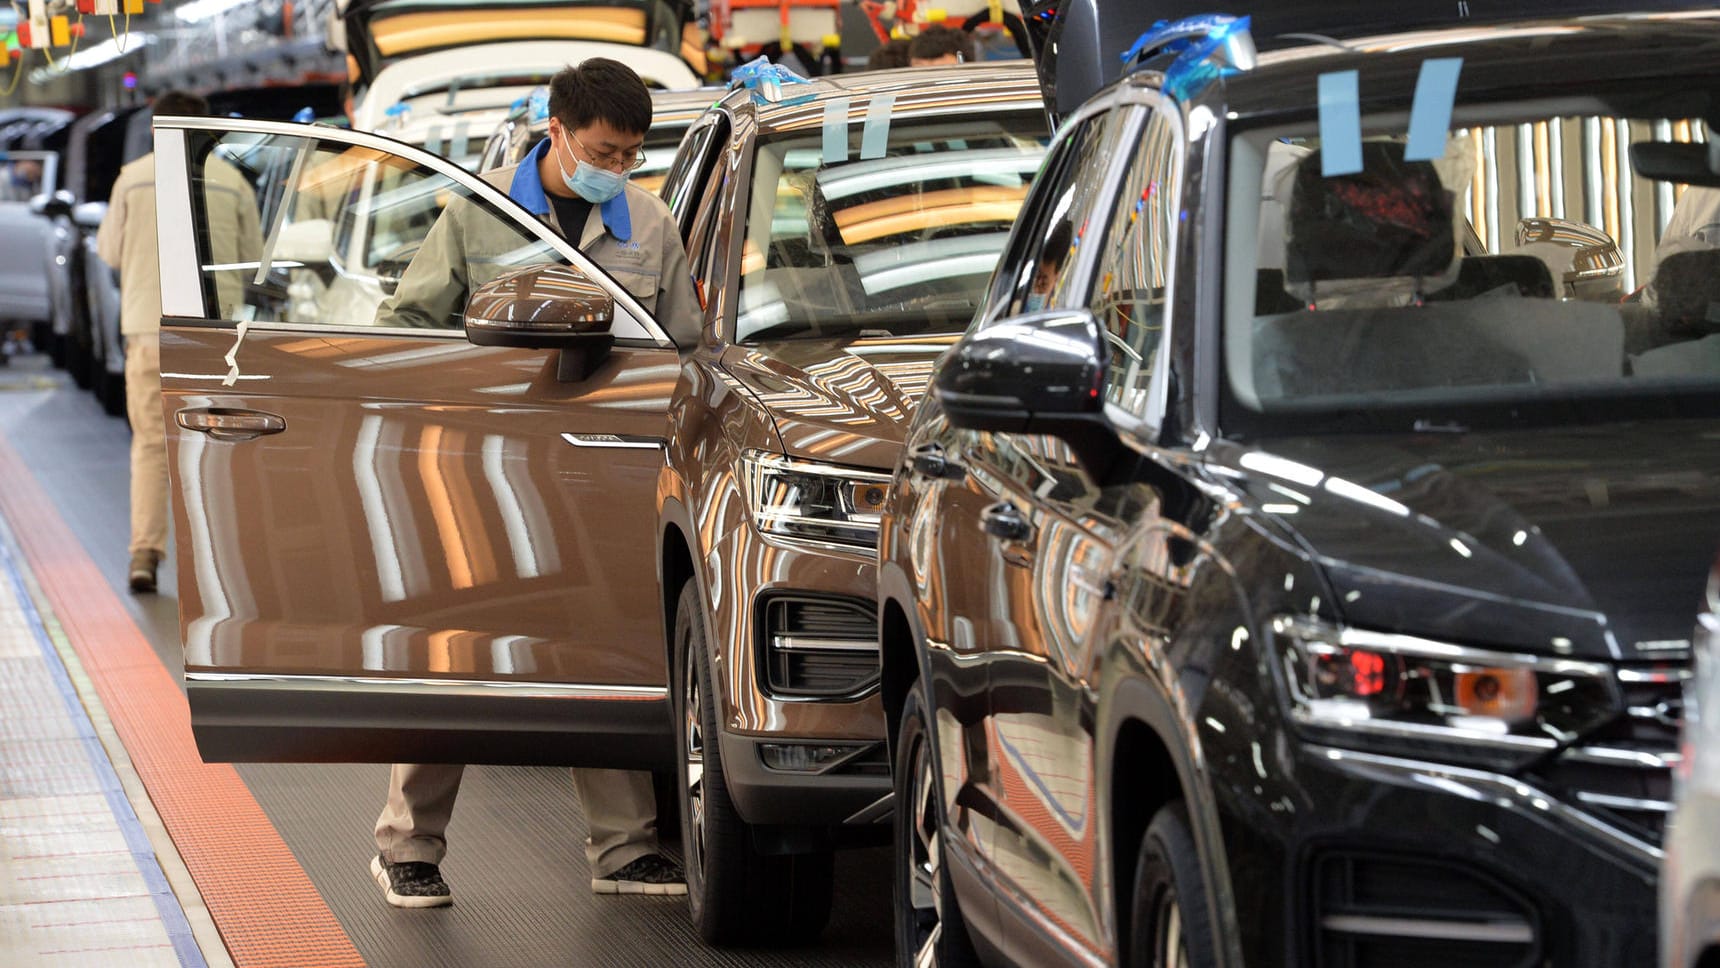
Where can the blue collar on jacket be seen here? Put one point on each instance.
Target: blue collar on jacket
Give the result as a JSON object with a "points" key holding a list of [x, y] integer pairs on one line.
{"points": [[527, 189]]}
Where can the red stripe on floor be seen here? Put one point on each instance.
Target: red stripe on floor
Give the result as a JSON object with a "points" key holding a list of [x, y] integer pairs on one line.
{"points": [[266, 908]]}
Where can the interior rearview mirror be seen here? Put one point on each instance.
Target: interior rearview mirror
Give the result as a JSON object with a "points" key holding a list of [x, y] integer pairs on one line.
{"points": [[1677, 161], [1042, 373], [1585, 261], [545, 307]]}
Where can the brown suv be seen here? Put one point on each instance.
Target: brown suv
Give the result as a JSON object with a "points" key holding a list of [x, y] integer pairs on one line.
{"points": [[645, 547]]}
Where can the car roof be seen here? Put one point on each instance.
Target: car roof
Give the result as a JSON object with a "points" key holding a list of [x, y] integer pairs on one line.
{"points": [[928, 90], [1513, 59], [431, 73]]}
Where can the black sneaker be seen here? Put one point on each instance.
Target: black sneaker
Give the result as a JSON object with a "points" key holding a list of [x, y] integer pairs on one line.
{"points": [[412, 884], [651, 874]]}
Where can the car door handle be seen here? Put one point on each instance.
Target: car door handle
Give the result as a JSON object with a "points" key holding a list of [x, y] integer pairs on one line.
{"points": [[1004, 520], [929, 460], [225, 423]]}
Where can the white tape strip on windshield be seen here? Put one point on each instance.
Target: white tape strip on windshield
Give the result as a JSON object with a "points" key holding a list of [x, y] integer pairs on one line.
{"points": [[875, 137], [836, 131]]}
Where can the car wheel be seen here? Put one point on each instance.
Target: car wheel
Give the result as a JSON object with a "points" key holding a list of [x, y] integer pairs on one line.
{"points": [[736, 894], [929, 925], [1170, 926]]}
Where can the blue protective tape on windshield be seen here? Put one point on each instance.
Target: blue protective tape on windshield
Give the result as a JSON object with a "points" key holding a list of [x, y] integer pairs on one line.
{"points": [[836, 131], [875, 137], [767, 81], [304, 115], [1430, 115], [1340, 124]]}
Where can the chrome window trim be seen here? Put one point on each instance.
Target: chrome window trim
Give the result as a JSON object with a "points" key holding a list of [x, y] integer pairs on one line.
{"points": [[530, 690], [174, 128]]}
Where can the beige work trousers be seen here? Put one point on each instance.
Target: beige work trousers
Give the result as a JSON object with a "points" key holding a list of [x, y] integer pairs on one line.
{"points": [[620, 812], [148, 443]]}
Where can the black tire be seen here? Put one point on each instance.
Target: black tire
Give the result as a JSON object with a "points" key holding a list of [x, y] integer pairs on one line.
{"points": [[78, 360], [929, 925], [737, 896], [1170, 926], [110, 390]]}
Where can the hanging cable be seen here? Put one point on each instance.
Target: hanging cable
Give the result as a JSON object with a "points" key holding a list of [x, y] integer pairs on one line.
{"points": [[17, 75]]}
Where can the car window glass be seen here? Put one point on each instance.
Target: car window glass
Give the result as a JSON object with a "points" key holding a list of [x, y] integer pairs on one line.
{"points": [[21, 178], [1526, 273], [683, 172], [895, 236], [1065, 208], [346, 222], [1129, 292]]}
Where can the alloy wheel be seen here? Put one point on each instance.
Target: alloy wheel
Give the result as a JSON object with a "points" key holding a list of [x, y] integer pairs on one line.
{"points": [[694, 734], [1169, 951], [925, 873]]}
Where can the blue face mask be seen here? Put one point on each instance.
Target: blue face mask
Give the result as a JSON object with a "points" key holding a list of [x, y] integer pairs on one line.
{"points": [[595, 185], [1034, 303]]}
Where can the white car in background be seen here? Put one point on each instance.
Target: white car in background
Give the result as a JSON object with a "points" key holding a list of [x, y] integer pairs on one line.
{"points": [[1690, 876], [461, 94]]}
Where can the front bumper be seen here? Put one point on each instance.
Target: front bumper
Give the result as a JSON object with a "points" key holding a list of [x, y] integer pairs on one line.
{"points": [[744, 571], [1395, 862]]}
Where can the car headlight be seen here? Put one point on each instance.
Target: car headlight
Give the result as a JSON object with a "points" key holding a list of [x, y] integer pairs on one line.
{"points": [[1414, 696], [814, 502]]}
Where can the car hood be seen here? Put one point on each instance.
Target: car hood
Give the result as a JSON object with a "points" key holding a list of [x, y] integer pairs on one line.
{"points": [[1589, 541], [845, 401]]}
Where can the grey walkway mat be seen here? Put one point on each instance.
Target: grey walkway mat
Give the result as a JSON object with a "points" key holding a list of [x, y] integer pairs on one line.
{"points": [[516, 861]]}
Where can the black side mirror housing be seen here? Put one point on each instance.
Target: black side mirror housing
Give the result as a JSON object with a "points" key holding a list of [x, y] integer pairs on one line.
{"points": [[1042, 373], [545, 307], [56, 205]]}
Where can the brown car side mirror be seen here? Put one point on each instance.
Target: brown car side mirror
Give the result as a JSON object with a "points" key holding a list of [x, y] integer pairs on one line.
{"points": [[545, 307]]}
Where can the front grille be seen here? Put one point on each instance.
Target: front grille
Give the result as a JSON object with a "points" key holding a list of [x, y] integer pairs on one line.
{"points": [[1375, 911], [1622, 772], [819, 647]]}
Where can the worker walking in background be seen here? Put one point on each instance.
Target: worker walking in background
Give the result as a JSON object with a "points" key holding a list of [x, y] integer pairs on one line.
{"points": [[127, 241]]}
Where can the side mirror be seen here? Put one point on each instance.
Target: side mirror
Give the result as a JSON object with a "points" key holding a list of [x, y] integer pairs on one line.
{"points": [[545, 307], [56, 205], [1042, 373], [1584, 260], [310, 242], [89, 215]]}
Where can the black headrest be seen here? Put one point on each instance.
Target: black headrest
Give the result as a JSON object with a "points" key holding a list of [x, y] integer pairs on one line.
{"points": [[1687, 289], [1392, 219], [1486, 275]]}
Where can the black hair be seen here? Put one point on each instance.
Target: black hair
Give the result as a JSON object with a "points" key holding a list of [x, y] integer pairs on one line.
{"points": [[600, 89], [940, 41], [1057, 244], [892, 54], [179, 104]]}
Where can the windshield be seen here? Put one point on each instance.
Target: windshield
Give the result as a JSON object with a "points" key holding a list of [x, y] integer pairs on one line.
{"points": [[1519, 273], [897, 236]]}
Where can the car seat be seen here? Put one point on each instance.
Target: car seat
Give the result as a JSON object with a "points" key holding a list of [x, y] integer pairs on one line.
{"points": [[1386, 231]]}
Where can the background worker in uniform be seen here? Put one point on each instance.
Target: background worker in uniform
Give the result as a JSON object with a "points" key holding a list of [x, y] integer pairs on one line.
{"points": [[576, 180], [127, 241]]}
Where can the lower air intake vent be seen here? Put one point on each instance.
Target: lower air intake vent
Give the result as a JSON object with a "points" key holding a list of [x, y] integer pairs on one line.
{"points": [[820, 646], [1385, 912]]}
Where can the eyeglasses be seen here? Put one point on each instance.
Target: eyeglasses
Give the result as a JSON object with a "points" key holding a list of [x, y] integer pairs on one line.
{"points": [[616, 161]]}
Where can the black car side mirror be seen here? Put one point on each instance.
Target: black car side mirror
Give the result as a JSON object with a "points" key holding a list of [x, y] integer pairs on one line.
{"points": [[56, 205], [545, 307], [1042, 373]]}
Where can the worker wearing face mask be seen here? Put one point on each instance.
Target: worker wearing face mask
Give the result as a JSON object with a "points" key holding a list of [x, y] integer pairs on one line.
{"points": [[576, 180]]}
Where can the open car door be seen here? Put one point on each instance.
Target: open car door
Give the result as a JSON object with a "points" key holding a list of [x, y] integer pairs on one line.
{"points": [[395, 544]]}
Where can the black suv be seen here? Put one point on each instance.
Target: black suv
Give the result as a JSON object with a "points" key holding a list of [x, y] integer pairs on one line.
{"points": [[1293, 562]]}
